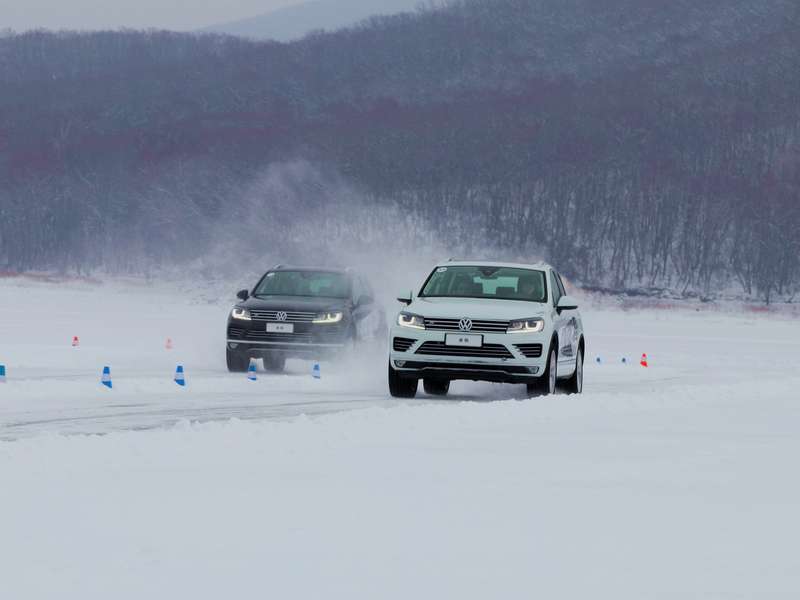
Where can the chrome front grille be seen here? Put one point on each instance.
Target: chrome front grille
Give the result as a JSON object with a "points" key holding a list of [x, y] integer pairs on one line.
{"points": [[478, 325], [485, 351], [530, 350], [291, 316], [295, 338]]}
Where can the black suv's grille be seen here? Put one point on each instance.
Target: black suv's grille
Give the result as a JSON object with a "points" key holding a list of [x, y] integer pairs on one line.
{"points": [[402, 344], [477, 325], [485, 351], [295, 338], [530, 350], [291, 316], [236, 333]]}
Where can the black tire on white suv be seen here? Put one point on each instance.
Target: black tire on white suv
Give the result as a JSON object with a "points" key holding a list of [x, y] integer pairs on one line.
{"points": [[401, 387], [436, 387], [574, 385], [546, 384]]}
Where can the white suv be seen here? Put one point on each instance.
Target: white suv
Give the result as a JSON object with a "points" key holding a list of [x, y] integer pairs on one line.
{"points": [[486, 321]]}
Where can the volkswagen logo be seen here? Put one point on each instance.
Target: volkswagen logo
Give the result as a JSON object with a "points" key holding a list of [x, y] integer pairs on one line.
{"points": [[465, 324], [281, 316]]}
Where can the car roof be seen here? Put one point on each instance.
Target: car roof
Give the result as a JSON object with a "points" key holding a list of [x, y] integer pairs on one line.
{"points": [[492, 263], [311, 268]]}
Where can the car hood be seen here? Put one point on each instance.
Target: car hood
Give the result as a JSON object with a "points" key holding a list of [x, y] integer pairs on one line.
{"points": [[456, 308], [298, 303]]}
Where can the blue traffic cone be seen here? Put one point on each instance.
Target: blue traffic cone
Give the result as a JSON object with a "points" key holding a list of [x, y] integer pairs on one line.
{"points": [[251, 370], [316, 371], [106, 379], [2, 373], [179, 376]]}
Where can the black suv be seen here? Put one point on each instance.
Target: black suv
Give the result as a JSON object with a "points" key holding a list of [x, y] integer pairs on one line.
{"points": [[301, 312]]}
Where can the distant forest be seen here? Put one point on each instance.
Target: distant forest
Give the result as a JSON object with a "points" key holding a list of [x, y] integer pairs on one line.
{"points": [[633, 143]]}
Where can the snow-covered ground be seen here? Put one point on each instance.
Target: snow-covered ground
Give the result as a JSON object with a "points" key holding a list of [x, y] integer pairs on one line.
{"points": [[675, 481]]}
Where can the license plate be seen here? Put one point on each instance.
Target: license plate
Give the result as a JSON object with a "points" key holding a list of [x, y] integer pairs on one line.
{"points": [[463, 339], [280, 327]]}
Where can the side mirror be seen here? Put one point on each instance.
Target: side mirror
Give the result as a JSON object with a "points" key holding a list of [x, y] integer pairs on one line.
{"points": [[364, 300], [567, 303], [242, 294], [405, 298]]}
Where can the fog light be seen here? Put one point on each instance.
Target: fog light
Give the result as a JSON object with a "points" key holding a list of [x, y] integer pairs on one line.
{"points": [[399, 363], [533, 370], [233, 346]]}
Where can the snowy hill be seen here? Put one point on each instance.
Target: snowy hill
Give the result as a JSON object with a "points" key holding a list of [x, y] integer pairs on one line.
{"points": [[633, 144], [295, 21]]}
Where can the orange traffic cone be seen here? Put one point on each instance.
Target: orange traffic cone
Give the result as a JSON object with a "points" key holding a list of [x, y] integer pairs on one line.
{"points": [[644, 360], [169, 343], [75, 341]]}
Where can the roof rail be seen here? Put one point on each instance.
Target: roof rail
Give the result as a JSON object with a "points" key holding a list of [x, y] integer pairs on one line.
{"points": [[276, 267]]}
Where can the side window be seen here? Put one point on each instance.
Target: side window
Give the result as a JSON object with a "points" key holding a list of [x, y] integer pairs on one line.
{"points": [[561, 284], [367, 288], [357, 289], [556, 289]]}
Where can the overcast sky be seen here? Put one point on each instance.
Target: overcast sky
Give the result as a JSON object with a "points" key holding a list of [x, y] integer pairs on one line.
{"points": [[112, 14]]}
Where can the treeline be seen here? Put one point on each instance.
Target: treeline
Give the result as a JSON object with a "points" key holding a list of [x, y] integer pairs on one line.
{"points": [[631, 142]]}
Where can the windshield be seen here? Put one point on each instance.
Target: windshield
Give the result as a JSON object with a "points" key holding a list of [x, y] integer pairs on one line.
{"points": [[496, 283], [320, 284]]}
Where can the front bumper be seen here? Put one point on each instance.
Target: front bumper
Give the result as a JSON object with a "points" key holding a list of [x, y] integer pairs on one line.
{"points": [[309, 340], [433, 361]]}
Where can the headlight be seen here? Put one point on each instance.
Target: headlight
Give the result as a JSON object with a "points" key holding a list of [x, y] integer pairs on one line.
{"points": [[409, 320], [526, 326], [241, 313], [329, 317]]}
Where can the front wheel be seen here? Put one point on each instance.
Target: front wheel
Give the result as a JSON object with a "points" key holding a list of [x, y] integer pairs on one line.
{"points": [[546, 384], [574, 385], [400, 387], [436, 387], [237, 361], [274, 363]]}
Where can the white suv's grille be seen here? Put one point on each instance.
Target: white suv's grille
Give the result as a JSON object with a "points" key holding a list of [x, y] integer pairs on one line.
{"points": [[291, 316], [485, 351], [478, 325]]}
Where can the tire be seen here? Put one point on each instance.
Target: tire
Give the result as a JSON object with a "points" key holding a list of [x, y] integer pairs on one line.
{"points": [[546, 384], [574, 385], [237, 361], [400, 387], [274, 363], [436, 387]]}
